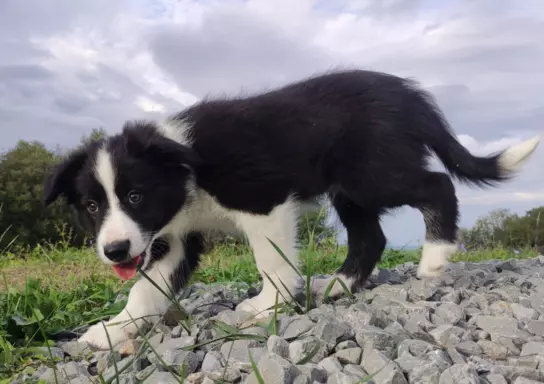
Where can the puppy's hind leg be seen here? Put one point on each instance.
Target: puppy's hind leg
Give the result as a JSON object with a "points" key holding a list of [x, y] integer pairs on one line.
{"points": [[366, 242], [438, 204]]}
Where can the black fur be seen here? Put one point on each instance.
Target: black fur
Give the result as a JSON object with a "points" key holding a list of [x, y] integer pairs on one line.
{"points": [[194, 246], [362, 137]]}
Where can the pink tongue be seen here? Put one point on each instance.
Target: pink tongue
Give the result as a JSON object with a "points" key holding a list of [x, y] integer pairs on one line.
{"points": [[127, 271]]}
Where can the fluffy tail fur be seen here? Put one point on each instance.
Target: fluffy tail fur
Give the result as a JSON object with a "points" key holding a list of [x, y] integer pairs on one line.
{"points": [[484, 170], [459, 162]]}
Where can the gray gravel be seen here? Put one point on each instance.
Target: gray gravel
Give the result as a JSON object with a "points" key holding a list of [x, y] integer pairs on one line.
{"points": [[477, 323]]}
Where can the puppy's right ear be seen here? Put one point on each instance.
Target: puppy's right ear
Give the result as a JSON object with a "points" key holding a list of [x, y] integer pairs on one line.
{"points": [[61, 179]]}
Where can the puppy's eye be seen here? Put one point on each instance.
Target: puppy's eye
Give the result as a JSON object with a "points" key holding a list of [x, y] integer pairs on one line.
{"points": [[92, 207], [134, 197]]}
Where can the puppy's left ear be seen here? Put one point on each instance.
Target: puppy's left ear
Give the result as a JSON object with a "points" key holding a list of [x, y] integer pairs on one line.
{"points": [[61, 179], [171, 153]]}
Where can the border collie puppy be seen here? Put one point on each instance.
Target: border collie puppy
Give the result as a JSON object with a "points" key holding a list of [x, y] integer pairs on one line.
{"points": [[362, 138]]}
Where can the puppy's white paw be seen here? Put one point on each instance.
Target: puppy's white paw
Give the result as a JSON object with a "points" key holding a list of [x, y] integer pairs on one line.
{"points": [[257, 306], [96, 335], [430, 270], [319, 286], [435, 259]]}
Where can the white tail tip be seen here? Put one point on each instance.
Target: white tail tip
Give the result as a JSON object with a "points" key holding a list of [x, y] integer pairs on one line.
{"points": [[513, 158]]}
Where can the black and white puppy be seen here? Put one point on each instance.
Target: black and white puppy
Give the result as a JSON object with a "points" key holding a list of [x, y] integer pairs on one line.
{"points": [[362, 138]]}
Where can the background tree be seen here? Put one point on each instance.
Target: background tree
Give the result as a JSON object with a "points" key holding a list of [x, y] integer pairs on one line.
{"points": [[23, 216], [482, 234], [527, 230]]}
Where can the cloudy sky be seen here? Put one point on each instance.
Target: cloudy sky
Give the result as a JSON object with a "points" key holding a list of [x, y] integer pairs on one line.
{"points": [[70, 66]]}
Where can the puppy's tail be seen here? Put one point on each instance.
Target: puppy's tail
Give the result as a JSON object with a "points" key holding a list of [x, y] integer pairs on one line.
{"points": [[487, 170], [460, 163]]}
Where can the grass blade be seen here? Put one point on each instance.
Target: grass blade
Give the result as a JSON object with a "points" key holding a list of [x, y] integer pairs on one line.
{"points": [[285, 258], [236, 336], [111, 349], [308, 292], [258, 375], [331, 284], [275, 318]]}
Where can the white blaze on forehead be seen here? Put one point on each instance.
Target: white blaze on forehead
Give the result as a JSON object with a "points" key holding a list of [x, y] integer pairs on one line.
{"points": [[117, 225], [105, 174]]}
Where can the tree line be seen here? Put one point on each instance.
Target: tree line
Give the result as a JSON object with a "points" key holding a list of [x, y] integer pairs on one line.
{"points": [[25, 222], [511, 230]]}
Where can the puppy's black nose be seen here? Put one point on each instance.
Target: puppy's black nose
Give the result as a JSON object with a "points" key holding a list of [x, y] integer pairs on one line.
{"points": [[118, 250]]}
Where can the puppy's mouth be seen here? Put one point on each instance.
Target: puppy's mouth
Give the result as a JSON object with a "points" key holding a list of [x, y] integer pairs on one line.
{"points": [[128, 269]]}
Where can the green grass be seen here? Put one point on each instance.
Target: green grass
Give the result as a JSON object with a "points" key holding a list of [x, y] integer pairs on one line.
{"points": [[59, 288]]}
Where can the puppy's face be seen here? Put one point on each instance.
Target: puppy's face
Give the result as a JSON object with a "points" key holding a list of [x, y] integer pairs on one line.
{"points": [[126, 190]]}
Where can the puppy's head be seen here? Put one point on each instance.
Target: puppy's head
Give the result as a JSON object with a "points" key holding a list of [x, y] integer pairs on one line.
{"points": [[126, 189]]}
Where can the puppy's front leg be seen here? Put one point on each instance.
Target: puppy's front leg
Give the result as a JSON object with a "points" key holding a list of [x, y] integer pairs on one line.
{"points": [[146, 304], [280, 227]]}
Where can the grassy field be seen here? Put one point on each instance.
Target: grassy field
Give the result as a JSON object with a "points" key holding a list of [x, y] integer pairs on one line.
{"points": [[55, 288]]}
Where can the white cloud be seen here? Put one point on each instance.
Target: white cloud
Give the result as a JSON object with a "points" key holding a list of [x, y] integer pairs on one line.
{"points": [[148, 105]]}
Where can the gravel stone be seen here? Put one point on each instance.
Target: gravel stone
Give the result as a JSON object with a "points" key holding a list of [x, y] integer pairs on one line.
{"points": [[496, 379], [313, 372], [107, 360], [445, 335], [534, 351], [175, 359], [349, 355], [355, 370], [278, 345], [493, 350], [512, 372], [415, 348], [499, 326], [370, 337], [524, 380], [332, 332], [129, 347], [426, 374], [176, 344], [71, 370], [450, 314], [274, 369], [455, 356], [469, 348], [237, 350], [345, 345], [213, 362], [460, 374], [161, 378], [523, 313], [234, 318], [384, 370], [300, 349], [342, 378], [298, 327], [76, 348], [537, 300], [330, 364]]}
